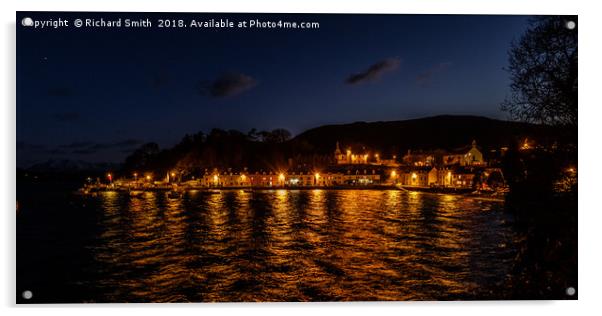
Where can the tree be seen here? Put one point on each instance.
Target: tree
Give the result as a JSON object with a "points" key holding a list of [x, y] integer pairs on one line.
{"points": [[276, 136], [253, 135], [280, 135], [543, 73], [140, 158]]}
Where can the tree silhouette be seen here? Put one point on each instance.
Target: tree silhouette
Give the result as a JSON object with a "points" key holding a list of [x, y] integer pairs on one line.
{"points": [[141, 156], [280, 135], [543, 72]]}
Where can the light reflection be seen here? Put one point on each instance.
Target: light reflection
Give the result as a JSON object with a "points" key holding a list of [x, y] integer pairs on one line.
{"points": [[217, 215], [298, 245], [448, 197], [317, 207], [242, 210]]}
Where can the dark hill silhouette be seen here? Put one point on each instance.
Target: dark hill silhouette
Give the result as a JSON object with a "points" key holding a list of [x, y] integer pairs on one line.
{"points": [[439, 132], [233, 149]]}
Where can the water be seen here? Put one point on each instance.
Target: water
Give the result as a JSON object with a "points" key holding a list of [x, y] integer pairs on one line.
{"points": [[314, 245]]}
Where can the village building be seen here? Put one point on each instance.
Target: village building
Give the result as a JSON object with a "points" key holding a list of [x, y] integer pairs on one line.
{"points": [[225, 179], [361, 177], [419, 158], [301, 177], [421, 176], [465, 157], [348, 157], [458, 177], [389, 162], [263, 179], [463, 177], [297, 177], [459, 169]]}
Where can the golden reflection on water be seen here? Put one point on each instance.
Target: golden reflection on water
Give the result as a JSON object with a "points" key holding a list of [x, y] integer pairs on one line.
{"points": [[305, 245]]}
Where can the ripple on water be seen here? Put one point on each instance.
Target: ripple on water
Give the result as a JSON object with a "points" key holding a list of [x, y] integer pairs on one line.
{"points": [[298, 246]]}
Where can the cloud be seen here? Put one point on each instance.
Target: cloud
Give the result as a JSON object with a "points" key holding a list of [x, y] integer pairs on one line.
{"points": [[227, 85], [66, 116], [374, 72], [426, 77], [86, 147]]}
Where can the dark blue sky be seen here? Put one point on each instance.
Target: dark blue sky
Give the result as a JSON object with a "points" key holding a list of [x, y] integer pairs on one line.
{"points": [[95, 94]]}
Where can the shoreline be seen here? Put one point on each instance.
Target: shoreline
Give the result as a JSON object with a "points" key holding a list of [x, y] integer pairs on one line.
{"points": [[463, 192], [245, 188]]}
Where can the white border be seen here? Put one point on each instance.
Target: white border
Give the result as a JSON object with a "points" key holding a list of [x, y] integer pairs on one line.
{"points": [[589, 150]]}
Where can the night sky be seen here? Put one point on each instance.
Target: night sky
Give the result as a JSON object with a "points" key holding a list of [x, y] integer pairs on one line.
{"points": [[97, 94]]}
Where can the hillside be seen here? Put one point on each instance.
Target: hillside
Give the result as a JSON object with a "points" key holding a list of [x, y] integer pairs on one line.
{"points": [[444, 132], [233, 149]]}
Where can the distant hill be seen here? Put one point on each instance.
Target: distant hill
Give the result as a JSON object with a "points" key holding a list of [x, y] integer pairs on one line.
{"points": [[223, 149], [438, 132]]}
